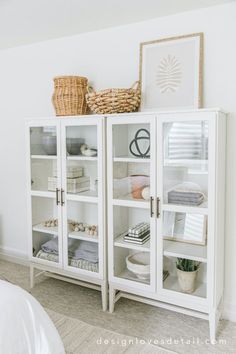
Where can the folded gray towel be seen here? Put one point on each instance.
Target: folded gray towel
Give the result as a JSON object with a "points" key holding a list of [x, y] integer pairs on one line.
{"points": [[87, 251], [51, 246]]}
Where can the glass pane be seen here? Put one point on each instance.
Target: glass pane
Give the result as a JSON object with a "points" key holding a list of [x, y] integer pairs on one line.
{"points": [[131, 167], [184, 252], [81, 146], [45, 229], [83, 236], [185, 175], [131, 230], [43, 149], [131, 140]]}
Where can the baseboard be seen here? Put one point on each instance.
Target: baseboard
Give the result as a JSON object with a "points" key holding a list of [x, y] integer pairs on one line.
{"points": [[229, 312], [13, 255]]}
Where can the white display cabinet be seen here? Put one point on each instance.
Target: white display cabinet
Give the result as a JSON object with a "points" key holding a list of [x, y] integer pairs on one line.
{"points": [[66, 198], [184, 169]]}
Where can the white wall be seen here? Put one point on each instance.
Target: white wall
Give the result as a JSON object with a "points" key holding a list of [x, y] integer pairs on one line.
{"points": [[109, 58]]}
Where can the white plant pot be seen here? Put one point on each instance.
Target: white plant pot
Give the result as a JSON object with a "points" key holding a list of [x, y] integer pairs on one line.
{"points": [[187, 280]]}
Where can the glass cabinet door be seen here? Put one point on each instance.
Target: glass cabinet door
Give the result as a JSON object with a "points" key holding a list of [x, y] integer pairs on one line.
{"points": [[131, 182], [184, 176], [83, 195], [45, 181]]}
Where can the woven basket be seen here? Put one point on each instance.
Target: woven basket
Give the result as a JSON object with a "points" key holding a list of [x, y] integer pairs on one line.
{"points": [[69, 95], [114, 100]]}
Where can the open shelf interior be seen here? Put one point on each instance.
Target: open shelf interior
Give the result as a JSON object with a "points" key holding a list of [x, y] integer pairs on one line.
{"points": [[78, 135], [124, 134], [185, 170], [43, 175], [84, 215], [42, 249], [125, 218], [172, 283], [43, 141], [131, 181], [188, 228], [120, 266], [82, 177]]}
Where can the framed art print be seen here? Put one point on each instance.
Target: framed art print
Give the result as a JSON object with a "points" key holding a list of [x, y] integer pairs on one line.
{"points": [[171, 73]]}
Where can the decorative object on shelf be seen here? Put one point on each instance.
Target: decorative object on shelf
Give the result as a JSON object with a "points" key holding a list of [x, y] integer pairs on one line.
{"points": [[73, 145], [145, 149], [91, 230], [74, 185], [138, 183], [114, 100], [171, 72], [49, 143], [186, 193], [187, 270], [185, 227], [87, 151], [69, 95], [139, 264], [146, 193], [133, 185], [51, 223], [138, 234]]}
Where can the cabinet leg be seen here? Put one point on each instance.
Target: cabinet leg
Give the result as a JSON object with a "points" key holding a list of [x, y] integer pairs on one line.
{"points": [[112, 294], [104, 291], [213, 325], [31, 277]]}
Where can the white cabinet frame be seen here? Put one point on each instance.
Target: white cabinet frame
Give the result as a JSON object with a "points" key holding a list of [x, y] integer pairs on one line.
{"points": [[208, 307], [61, 270]]}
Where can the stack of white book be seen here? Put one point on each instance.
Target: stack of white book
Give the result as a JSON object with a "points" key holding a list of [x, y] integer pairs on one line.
{"points": [[138, 234]]}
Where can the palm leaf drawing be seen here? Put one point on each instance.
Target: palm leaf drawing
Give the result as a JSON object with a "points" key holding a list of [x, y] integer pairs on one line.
{"points": [[169, 74]]}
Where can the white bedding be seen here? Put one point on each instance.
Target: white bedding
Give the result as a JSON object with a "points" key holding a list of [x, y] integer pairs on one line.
{"points": [[25, 327]]}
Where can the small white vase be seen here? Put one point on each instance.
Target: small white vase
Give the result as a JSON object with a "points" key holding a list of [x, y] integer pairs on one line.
{"points": [[187, 280]]}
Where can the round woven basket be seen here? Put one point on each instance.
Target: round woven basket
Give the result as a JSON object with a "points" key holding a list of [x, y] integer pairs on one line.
{"points": [[69, 95], [114, 100]]}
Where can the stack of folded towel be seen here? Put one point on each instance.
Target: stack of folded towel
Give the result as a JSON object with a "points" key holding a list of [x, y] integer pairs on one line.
{"points": [[186, 193], [84, 250]]}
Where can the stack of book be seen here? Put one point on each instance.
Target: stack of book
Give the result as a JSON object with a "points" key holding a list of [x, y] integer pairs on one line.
{"points": [[138, 234]]}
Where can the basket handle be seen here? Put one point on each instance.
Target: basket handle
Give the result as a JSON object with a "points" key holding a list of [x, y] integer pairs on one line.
{"points": [[90, 89], [136, 85]]}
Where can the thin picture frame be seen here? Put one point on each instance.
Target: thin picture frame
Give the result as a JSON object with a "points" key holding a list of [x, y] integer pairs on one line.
{"points": [[171, 73]]}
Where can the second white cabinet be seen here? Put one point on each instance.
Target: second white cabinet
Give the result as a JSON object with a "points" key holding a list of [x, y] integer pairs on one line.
{"points": [[67, 199], [166, 178]]}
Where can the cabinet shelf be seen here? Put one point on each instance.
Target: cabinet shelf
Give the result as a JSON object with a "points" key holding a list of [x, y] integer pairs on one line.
{"points": [[202, 209], [82, 236], [126, 274], [185, 163], [131, 159], [171, 283], [185, 250], [44, 194], [82, 158], [128, 201], [44, 157], [46, 230], [120, 242], [87, 196]]}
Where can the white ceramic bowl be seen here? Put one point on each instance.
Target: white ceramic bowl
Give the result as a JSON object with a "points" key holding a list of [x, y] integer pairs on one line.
{"points": [[139, 264]]}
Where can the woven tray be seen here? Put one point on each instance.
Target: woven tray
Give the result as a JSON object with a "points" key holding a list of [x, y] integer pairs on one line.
{"points": [[114, 100]]}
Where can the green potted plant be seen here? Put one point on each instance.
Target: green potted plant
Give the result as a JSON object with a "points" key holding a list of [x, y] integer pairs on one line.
{"points": [[187, 270]]}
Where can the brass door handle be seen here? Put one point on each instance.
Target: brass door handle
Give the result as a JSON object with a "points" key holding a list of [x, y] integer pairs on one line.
{"points": [[151, 207], [57, 196], [158, 207], [62, 197]]}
